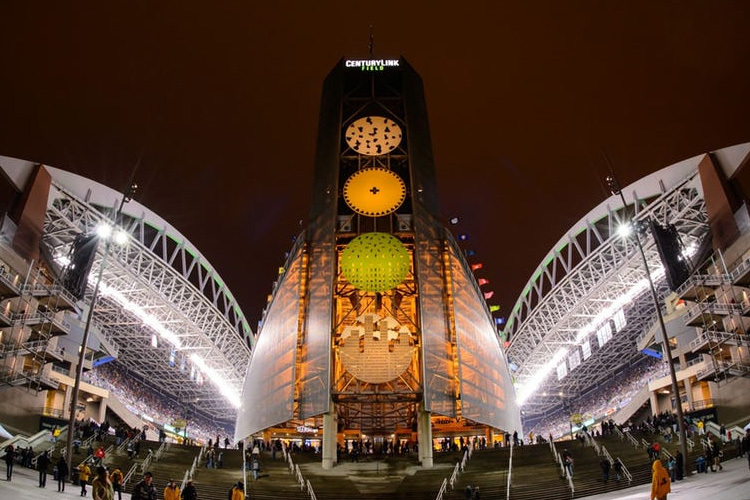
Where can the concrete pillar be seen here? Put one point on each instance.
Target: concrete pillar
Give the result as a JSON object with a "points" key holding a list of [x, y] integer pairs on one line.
{"points": [[424, 431], [102, 410], [66, 400], [330, 430], [654, 403]]}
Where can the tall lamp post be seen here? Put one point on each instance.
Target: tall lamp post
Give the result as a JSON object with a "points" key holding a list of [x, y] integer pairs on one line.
{"points": [[615, 188], [126, 197]]}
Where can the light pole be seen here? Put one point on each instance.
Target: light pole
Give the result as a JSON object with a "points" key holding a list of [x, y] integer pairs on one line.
{"points": [[615, 188], [127, 196]]}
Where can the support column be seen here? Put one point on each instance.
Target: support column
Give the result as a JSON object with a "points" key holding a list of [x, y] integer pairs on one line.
{"points": [[424, 430], [654, 403], [330, 430], [102, 410], [66, 399]]}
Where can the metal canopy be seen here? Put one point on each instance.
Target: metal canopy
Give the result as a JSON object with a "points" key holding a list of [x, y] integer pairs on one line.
{"points": [[156, 280], [583, 283]]}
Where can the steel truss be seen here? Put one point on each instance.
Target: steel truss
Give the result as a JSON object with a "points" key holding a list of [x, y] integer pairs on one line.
{"points": [[583, 278], [168, 283]]}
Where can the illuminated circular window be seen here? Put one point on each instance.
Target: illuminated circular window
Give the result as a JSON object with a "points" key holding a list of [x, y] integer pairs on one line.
{"points": [[374, 191], [375, 262], [373, 135]]}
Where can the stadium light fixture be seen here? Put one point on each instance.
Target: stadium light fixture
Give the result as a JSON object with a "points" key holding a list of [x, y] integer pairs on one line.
{"points": [[104, 230], [526, 389], [624, 230], [121, 237]]}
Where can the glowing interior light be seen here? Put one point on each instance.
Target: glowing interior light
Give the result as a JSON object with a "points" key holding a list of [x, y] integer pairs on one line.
{"points": [[526, 389], [217, 379], [221, 384], [618, 304], [104, 231], [624, 230]]}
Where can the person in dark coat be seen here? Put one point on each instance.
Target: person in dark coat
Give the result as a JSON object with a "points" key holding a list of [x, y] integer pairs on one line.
{"points": [[145, 489], [679, 465], [10, 458], [42, 463], [189, 492], [605, 465], [62, 473]]}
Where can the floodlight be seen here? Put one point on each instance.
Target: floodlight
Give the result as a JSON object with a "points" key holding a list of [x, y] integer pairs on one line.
{"points": [[104, 231], [624, 230], [121, 237]]}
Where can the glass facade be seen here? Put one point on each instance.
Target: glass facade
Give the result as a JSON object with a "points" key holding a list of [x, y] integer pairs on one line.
{"points": [[268, 392], [487, 393], [439, 373]]}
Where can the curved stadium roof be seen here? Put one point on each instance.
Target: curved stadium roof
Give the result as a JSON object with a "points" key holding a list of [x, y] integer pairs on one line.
{"points": [[591, 276], [157, 283]]}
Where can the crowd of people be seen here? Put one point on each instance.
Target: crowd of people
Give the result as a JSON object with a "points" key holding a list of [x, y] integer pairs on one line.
{"points": [[603, 401], [150, 405]]}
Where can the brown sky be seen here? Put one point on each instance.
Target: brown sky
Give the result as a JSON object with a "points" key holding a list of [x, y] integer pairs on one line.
{"points": [[221, 100]]}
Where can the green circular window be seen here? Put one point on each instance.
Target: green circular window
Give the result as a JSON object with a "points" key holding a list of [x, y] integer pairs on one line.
{"points": [[375, 262]]}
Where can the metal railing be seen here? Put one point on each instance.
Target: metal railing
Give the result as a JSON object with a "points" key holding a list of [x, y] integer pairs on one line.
{"points": [[510, 472], [310, 491], [123, 445], [129, 474], [147, 462], [442, 489], [632, 440], [454, 476], [162, 449]]}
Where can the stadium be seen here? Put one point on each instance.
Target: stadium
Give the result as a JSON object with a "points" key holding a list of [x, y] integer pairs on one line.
{"points": [[377, 348]]}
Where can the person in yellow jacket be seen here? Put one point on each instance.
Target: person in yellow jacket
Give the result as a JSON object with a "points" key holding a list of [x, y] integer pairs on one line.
{"points": [[116, 480], [238, 492], [172, 491], [660, 483], [83, 477]]}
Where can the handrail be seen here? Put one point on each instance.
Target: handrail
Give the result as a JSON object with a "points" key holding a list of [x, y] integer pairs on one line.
{"points": [[310, 491], [454, 476], [159, 452], [632, 439], [300, 479], [129, 474], [124, 444], [510, 472], [441, 491], [146, 462], [570, 485], [465, 459], [184, 479]]}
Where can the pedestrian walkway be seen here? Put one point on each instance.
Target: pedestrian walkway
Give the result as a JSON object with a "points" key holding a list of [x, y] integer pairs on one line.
{"points": [[732, 483]]}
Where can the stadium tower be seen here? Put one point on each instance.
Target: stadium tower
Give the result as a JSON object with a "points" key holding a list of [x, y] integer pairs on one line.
{"points": [[377, 329]]}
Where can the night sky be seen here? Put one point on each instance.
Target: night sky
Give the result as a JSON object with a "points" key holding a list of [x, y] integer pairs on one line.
{"points": [[220, 101]]}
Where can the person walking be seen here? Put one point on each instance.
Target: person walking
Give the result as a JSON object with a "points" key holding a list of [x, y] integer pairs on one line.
{"points": [[172, 491], [717, 454], [83, 477], [62, 473], [101, 487], [10, 458], [238, 491], [42, 463], [605, 465], [189, 492], [256, 468], [145, 489], [660, 483], [746, 446], [618, 469], [116, 480]]}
